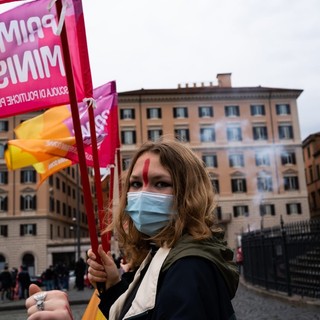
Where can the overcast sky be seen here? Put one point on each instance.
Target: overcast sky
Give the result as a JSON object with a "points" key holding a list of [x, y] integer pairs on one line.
{"points": [[158, 44]]}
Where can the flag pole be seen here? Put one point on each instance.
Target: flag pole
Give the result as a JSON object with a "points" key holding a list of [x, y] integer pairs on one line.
{"points": [[78, 135], [105, 237]]}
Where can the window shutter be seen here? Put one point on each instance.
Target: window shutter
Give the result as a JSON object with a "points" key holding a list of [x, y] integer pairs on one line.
{"points": [[235, 212], [21, 230], [299, 208], [5, 204], [134, 137], [34, 202], [233, 185], [21, 203], [245, 185]]}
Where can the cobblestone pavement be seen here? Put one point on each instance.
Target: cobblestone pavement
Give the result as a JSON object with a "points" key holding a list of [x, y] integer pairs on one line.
{"points": [[248, 304]]}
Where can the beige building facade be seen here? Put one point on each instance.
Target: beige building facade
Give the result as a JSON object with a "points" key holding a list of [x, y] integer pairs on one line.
{"points": [[311, 152], [248, 137]]}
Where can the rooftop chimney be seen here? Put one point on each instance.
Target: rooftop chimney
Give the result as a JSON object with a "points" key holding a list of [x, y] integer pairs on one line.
{"points": [[224, 80]]}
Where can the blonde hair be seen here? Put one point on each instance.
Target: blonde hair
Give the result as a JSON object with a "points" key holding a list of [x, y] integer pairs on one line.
{"points": [[193, 201]]}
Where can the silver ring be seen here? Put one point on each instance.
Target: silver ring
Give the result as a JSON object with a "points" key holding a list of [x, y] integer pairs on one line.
{"points": [[40, 300], [40, 305], [40, 296]]}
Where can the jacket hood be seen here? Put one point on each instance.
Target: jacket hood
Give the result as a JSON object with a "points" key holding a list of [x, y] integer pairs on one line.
{"points": [[213, 249]]}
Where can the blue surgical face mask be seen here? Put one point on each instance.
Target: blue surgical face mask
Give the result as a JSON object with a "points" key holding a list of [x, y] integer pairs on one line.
{"points": [[149, 211]]}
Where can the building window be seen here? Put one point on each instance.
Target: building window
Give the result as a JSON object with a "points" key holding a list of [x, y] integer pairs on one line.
{"points": [[267, 209], [154, 134], [293, 208], [28, 202], [215, 185], [283, 109], [127, 114], [153, 113], [310, 174], [260, 133], [28, 229], [180, 112], [58, 206], [257, 110], [264, 183], [210, 160], [4, 126], [126, 163], [291, 183], [3, 230], [239, 211], [218, 212], [51, 204], [128, 137], [2, 149], [3, 203], [288, 157], [234, 133], [239, 185], [262, 159], [232, 111], [3, 177], [207, 134], [205, 112], [236, 160], [182, 135], [285, 132], [28, 176]]}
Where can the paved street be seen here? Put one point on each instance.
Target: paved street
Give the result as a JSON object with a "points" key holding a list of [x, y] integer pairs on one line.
{"points": [[248, 304]]}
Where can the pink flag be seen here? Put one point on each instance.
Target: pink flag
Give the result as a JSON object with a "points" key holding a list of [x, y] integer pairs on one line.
{"points": [[32, 70]]}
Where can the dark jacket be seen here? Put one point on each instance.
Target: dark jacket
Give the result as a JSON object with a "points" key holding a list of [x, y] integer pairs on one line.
{"points": [[197, 281]]}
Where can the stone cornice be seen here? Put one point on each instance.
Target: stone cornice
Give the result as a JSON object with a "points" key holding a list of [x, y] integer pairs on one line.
{"points": [[208, 95]]}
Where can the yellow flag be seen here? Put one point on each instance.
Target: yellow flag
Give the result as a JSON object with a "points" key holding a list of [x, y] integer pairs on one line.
{"points": [[92, 311]]}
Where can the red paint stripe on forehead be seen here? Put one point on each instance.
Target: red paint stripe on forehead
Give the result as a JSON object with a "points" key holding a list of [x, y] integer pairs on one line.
{"points": [[145, 171]]}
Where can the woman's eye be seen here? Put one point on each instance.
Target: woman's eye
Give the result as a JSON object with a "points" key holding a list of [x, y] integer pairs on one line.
{"points": [[135, 184], [162, 184]]}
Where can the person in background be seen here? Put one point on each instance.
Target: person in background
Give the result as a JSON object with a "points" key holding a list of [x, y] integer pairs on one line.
{"points": [[6, 283], [24, 282], [49, 278], [239, 259], [80, 271], [180, 265], [15, 285]]}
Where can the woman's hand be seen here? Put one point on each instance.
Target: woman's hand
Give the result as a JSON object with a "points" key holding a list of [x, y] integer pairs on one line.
{"points": [[52, 304], [106, 272]]}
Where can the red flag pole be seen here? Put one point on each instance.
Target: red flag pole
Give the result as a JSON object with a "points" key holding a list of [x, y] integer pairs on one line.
{"points": [[105, 238], [78, 135]]}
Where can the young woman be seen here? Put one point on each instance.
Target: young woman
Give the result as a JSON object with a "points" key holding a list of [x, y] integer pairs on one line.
{"points": [[166, 228]]}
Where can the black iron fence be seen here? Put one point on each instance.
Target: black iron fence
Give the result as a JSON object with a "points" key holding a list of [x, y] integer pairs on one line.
{"points": [[284, 258]]}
